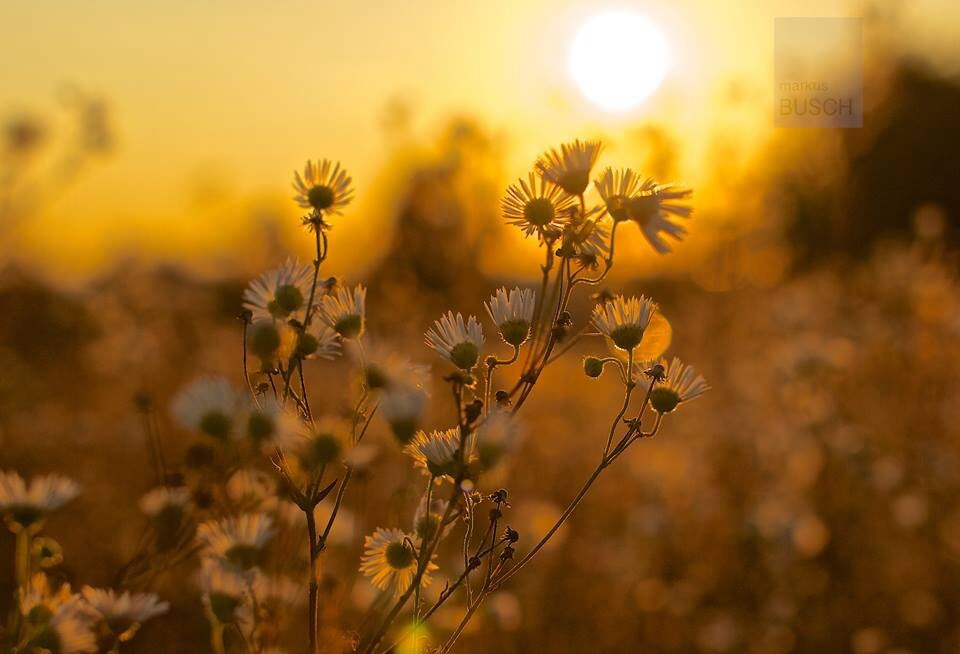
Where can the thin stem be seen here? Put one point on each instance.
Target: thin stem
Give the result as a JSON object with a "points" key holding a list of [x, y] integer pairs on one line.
{"points": [[314, 582]]}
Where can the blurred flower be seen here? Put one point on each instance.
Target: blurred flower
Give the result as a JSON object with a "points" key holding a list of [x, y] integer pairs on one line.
{"points": [[496, 437], [280, 293], [456, 340], [223, 590], [570, 167], [537, 205], [652, 207], [166, 506], [512, 313], [624, 320], [425, 522], [587, 240], [616, 187], [123, 612], [436, 453], [24, 506], [251, 489], [69, 630], [239, 541], [271, 425], [344, 311], [324, 186], [272, 341], [390, 561], [402, 407], [681, 385], [384, 368], [323, 442], [38, 600], [210, 405]]}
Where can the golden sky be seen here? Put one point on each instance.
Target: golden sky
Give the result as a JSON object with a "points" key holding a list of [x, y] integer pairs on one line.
{"points": [[233, 94]]}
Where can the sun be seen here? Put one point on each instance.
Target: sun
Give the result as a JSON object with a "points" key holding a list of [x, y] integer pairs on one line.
{"points": [[618, 59]]}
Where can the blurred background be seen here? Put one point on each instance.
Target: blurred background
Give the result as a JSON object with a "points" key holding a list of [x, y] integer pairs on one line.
{"points": [[807, 504]]}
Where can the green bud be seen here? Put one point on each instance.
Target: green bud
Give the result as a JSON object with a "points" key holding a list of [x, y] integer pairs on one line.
{"points": [[592, 367]]}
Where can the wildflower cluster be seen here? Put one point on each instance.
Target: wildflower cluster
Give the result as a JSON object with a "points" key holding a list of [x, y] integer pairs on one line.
{"points": [[258, 502]]}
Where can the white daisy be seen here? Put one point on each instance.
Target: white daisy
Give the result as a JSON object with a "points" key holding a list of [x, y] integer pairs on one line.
{"points": [[390, 561], [24, 505], [456, 340], [165, 498], [272, 341], [324, 187], [682, 384], [570, 167], [537, 205], [281, 293], [325, 441], [512, 313], [344, 311], [38, 599], [436, 453], [210, 405], [251, 489], [121, 611], [616, 188], [271, 425], [624, 321], [319, 341], [239, 541], [425, 522], [68, 631]]}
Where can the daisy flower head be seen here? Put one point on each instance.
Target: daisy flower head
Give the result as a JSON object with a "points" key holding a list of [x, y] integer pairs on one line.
{"points": [[279, 294], [323, 187], [210, 405], [496, 438], [272, 341], [390, 561], [344, 311], [383, 368], [25, 505], [318, 341], [38, 599], [652, 208], [402, 407], [623, 321], [251, 489], [617, 188], [588, 241], [681, 384], [457, 340], [271, 425], [512, 313], [237, 541], [46, 552], [323, 442], [436, 453], [69, 630], [426, 520], [223, 589], [569, 168], [124, 612], [166, 507], [537, 205]]}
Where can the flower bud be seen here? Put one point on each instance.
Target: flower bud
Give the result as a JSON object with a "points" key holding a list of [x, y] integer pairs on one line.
{"points": [[592, 367]]}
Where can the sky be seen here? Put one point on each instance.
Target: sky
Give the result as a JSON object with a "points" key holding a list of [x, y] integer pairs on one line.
{"points": [[234, 94]]}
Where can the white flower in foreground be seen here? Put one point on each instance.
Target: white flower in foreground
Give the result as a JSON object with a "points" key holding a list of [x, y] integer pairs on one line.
{"points": [[682, 384], [344, 311], [569, 168], [456, 340], [402, 407], [210, 405], [437, 453], [512, 313], [324, 186], [624, 320], [280, 293], [537, 205], [390, 561], [239, 541], [26, 505], [122, 611]]}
